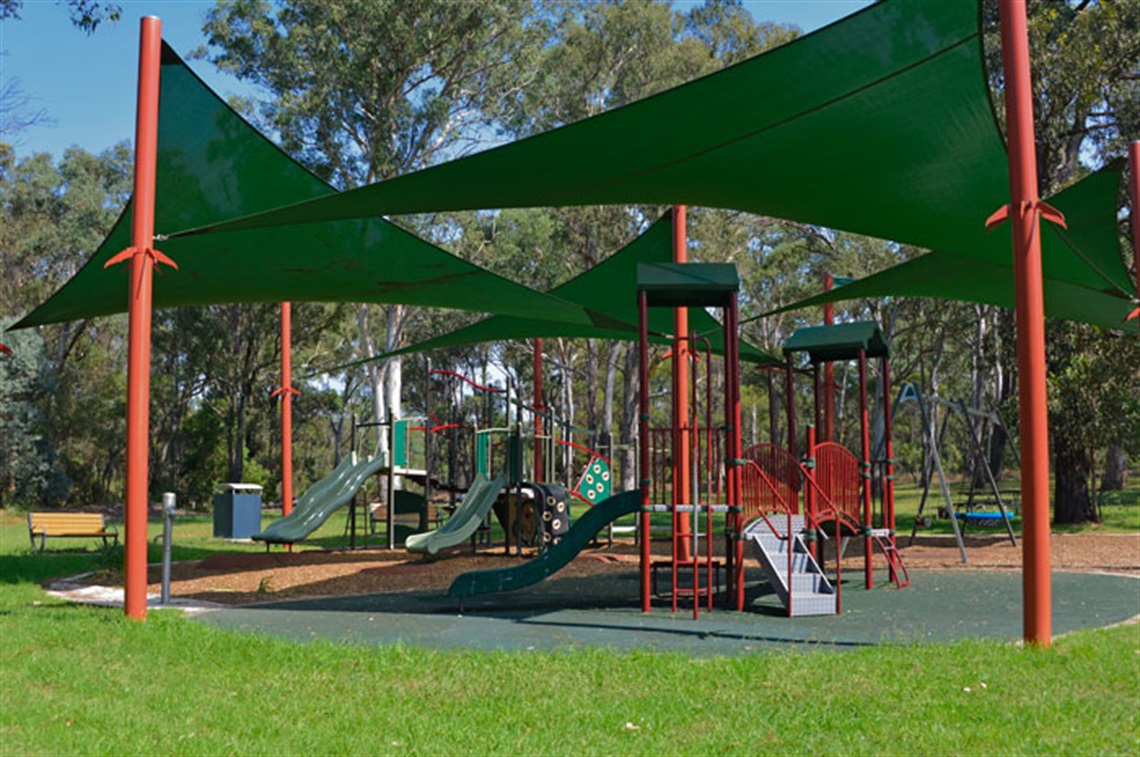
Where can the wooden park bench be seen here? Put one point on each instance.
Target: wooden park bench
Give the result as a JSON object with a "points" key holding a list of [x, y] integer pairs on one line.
{"points": [[69, 526]]}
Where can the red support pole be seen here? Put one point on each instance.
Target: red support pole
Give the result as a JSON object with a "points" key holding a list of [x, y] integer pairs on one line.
{"points": [[889, 461], [142, 261], [1024, 214], [643, 433], [1134, 171], [539, 468], [828, 369], [287, 392], [682, 450], [865, 470], [733, 444]]}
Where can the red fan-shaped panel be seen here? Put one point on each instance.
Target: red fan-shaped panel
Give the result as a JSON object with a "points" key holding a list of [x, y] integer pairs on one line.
{"points": [[770, 481], [837, 475]]}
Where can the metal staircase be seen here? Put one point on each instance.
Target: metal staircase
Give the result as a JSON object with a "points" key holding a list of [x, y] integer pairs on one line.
{"points": [[810, 592]]}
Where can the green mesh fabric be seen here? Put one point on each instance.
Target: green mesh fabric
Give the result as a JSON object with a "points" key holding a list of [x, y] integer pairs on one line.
{"points": [[211, 163], [610, 287], [1088, 208], [879, 124]]}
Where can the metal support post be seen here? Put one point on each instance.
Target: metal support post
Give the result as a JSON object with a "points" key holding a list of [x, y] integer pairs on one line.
{"points": [[1024, 211]]}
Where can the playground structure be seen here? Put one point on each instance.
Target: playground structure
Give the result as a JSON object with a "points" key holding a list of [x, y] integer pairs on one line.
{"points": [[721, 172], [784, 505], [979, 425], [682, 285], [827, 493], [341, 487]]}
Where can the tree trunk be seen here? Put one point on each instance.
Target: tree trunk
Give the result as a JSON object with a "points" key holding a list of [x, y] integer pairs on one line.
{"points": [[592, 415], [607, 428], [629, 474], [1115, 469], [1072, 465]]}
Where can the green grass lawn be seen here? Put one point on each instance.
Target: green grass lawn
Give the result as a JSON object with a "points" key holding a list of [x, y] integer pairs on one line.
{"points": [[86, 680]]}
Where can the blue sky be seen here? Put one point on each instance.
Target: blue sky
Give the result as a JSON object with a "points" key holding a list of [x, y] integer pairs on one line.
{"points": [[86, 84]]}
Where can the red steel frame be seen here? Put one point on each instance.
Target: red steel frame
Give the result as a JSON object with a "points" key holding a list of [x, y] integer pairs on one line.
{"points": [[143, 257], [287, 392], [643, 433], [682, 447], [1024, 211], [866, 464], [681, 553]]}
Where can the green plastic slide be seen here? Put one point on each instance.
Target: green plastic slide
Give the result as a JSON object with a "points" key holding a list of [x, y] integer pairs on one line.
{"points": [[554, 558], [477, 502], [321, 500]]}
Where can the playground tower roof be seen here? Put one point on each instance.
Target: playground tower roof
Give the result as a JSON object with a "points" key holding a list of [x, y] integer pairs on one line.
{"points": [[840, 341]]}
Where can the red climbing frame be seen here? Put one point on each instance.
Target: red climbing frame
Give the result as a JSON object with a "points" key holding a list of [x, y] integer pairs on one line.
{"points": [[669, 285]]}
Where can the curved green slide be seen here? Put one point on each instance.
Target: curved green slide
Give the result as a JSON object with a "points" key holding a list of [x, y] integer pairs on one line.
{"points": [[321, 500], [554, 558], [477, 502]]}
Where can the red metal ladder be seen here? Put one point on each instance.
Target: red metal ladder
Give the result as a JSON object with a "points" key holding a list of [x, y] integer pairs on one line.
{"points": [[899, 574]]}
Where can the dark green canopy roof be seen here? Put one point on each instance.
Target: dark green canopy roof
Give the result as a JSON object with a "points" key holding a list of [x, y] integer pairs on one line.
{"points": [[687, 284], [840, 341], [212, 163], [1088, 206], [608, 287], [879, 124]]}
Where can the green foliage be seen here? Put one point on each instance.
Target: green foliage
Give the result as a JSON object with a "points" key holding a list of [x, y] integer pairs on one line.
{"points": [[205, 461], [27, 473]]}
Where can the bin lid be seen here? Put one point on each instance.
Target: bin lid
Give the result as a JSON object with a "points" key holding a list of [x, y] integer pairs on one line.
{"points": [[253, 488]]}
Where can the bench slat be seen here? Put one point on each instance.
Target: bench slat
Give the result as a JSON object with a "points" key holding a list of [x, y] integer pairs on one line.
{"points": [[68, 525]]}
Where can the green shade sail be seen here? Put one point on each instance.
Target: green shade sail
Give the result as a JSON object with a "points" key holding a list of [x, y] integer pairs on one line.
{"points": [[840, 341], [608, 291], [211, 163], [1088, 206], [879, 124]]}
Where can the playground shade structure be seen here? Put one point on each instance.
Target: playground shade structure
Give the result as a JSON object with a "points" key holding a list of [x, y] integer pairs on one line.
{"points": [[321, 500], [1089, 208], [212, 163], [891, 105], [603, 289], [555, 557], [477, 502]]}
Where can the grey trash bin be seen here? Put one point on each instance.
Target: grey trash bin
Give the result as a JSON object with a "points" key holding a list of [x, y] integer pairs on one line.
{"points": [[237, 511]]}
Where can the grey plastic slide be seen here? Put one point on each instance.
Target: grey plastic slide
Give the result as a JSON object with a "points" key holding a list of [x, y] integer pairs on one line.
{"points": [[477, 502], [321, 500]]}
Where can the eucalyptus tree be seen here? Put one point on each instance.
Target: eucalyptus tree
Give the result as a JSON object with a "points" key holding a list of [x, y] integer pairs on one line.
{"points": [[55, 215], [364, 90]]}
